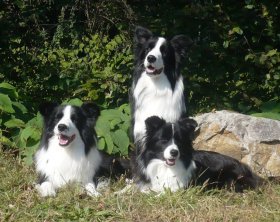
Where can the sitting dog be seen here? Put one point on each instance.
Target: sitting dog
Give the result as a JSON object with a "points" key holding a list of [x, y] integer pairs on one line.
{"points": [[157, 87]]}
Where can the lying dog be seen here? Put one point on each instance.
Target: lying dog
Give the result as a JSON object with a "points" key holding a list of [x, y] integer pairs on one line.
{"points": [[168, 161], [67, 151]]}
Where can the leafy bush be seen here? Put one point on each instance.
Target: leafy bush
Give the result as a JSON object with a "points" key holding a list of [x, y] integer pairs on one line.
{"points": [[113, 129]]}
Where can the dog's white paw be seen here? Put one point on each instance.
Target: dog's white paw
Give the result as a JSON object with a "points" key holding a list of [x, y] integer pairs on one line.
{"points": [[103, 184], [46, 189], [91, 190]]}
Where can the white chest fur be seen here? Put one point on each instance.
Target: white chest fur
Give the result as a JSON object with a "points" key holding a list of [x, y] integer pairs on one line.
{"points": [[62, 165], [154, 96], [163, 176]]}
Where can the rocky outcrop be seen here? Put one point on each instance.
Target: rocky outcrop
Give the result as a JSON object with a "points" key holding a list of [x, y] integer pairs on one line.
{"points": [[252, 140]]}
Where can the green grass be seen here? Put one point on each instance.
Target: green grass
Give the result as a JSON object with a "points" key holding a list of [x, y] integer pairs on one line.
{"points": [[20, 202]]}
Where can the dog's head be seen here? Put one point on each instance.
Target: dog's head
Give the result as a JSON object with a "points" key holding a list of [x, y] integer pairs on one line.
{"points": [[66, 123], [159, 54], [167, 141]]}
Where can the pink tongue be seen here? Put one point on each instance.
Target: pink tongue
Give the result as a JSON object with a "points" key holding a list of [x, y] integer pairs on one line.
{"points": [[170, 162], [63, 139]]}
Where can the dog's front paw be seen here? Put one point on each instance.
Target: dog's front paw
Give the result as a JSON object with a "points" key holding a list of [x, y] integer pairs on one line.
{"points": [[46, 189], [91, 190]]}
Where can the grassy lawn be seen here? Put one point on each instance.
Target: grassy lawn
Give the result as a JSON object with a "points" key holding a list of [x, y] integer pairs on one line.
{"points": [[20, 202]]}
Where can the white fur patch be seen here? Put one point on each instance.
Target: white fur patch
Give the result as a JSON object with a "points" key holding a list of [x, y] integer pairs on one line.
{"points": [[154, 96], [46, 189], [164, 177]]}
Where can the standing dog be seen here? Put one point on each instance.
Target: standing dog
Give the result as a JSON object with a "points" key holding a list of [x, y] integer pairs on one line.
{"points": [[67, 151], [157, 87]]}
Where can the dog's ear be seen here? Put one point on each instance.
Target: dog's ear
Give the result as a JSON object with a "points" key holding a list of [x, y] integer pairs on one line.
{"points": [[91, 109], [153, 123], [46, 108], [188, 126], [142, 35], [181, 44]]}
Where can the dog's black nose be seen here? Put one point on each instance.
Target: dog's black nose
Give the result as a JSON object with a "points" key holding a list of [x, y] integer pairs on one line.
{"points": [[151, 59], [62, 127], [174, 153]]}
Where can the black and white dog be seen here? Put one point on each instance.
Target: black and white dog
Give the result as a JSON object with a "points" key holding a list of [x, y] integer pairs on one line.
{"points": [[168, 161], [67, 151], [157, 87]]}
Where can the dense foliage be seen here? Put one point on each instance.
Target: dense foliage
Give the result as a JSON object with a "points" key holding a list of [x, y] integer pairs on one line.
{"points": [[60, 50]]}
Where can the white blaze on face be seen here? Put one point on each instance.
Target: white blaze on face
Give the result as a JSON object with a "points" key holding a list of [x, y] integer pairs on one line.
{"points": [[68, 135], [158, 63]]}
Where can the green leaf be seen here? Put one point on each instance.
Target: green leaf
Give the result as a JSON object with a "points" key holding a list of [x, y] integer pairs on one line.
{"points": [[9, 90], [269, 115], [4, 140], [109, 143], [20, 106], [271, 52], [111, 114], [101, 143], [73, 102], [121, 140], [29, 132], [270, 106], [14, 123], [102, 127], [237, 30], [6, 104]]}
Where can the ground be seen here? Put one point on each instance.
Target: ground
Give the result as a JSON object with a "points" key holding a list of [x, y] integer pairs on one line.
{"points": [[20, 202]]}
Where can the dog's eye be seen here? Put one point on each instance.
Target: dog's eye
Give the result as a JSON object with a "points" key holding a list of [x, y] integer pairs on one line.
{"points": [[59, 116], [73, 118], [164, 141]]}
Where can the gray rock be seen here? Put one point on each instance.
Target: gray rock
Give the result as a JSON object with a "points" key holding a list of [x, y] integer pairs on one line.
{"points": [[252, 140]]}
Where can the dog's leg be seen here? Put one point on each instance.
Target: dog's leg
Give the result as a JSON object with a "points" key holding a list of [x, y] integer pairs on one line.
{"points": [[91, 190], [46, 189]]}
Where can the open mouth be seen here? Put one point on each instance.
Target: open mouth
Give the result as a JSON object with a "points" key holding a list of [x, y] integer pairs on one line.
{"points": [[65, 140], [170, 162], [152, 70]]}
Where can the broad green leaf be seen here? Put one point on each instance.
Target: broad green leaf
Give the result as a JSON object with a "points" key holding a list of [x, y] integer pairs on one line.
{"points": [[73, 102], [271, 52], [101, 143], [29, 132], [20, 106], [14, 123], [275, 116], [120, 138], [109, 143], [115, 122], [111, 114], [6, 104], [8, 89], [4, 140], [102, 127]]}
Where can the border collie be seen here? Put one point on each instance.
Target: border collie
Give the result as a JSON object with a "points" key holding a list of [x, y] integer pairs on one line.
{"points": [[168, 161], [157, 87], [67, 151]]}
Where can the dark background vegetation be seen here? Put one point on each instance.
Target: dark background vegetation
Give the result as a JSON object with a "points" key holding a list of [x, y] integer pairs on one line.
{"points": [[61, 50]]}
